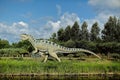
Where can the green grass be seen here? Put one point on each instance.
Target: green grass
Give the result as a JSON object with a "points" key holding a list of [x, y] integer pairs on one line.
{"points": [[19, 65]]}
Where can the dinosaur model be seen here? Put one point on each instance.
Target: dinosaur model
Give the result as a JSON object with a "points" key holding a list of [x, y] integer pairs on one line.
{"points": [[51, 48]]}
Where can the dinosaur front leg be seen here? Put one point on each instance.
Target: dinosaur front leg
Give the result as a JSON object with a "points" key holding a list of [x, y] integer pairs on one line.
{"points": [[35, 51], [43, 55]]}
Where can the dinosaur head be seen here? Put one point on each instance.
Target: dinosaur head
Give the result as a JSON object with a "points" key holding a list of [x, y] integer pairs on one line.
{"points": [[24, 36]]}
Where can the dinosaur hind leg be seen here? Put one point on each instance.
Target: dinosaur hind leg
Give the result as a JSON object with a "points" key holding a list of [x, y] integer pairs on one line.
{"points": [[55, 56]]}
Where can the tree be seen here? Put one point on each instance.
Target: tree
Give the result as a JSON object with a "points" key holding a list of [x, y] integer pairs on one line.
{"points": [[75, 31], [95, 32], [23, 44], [61, 35], [53, 36], [118, 31], [67, 33], [70, 44], [84, 31], [111, 30], [4, 44]]}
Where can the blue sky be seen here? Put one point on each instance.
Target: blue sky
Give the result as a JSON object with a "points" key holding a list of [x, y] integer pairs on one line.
{"points": [[40, 18], [15, 10]]}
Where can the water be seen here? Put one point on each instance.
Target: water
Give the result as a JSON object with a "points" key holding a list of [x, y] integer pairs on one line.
{"points": [[72, 77]]}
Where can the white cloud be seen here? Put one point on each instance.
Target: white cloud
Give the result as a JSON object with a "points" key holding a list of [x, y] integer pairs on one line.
{"points": [[69, 19], [13, 31], [105, 3], [104, 9], [101, 18], [58, 9], [23, 24], [53, 26], [65, 20], [106, 6], [20, 24]]}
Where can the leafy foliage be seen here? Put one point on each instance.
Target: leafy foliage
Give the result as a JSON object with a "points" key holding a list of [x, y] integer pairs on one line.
{"points": [[95, 32], [61, 35], [111, 30], [67, 33], [75, 31], [12, 52], [115, 56], [23, 44], [70, 44], [109, 47], [84, 32], [53, 36], [4, 44]]}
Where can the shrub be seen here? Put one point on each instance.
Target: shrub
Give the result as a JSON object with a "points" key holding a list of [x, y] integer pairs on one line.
{"points": [[115, 56], [80, 55], [109, 47], [70, 56], [70, 44], [12, 52]]}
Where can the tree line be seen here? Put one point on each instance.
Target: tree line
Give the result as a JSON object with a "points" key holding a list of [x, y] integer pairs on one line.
{"points": [[100, 41], [110, 33]]}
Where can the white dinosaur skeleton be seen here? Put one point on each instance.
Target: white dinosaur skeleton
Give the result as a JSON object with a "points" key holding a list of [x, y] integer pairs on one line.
{"points": [[52, 48]]}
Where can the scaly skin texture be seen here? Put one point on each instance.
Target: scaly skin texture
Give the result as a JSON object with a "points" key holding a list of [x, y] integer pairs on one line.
{"points": [[52, 48]]}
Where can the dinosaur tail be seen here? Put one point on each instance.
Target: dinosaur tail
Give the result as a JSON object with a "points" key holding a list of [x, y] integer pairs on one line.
{"points": [[87, 51], [72, 50]]}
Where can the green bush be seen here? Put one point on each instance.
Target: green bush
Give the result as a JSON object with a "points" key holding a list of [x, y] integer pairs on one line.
{"points": [[82, 44], [70, 44], [103, 48], [110, 47], [70, 56], [12, 52], [115, 56], [80, 55]]}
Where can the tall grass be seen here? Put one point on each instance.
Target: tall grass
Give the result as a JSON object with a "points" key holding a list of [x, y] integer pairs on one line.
{"points": [[16, 66]]}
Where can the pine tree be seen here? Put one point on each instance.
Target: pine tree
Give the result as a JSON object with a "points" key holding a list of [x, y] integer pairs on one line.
{"points": [[61, 34], [84, 31], [95, 32], [53, 36], [118, 31], [111, 30], [67, 33], [75, 31], [4, 44]]}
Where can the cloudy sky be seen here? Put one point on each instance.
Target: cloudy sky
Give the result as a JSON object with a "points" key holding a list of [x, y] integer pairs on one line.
{"points": [[40, 18]]}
